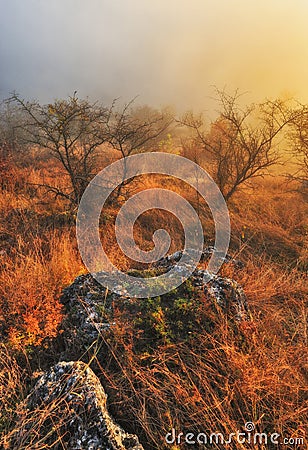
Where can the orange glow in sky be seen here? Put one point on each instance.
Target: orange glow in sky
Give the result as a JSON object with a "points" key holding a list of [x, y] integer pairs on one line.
{"points": [[164, 51]]}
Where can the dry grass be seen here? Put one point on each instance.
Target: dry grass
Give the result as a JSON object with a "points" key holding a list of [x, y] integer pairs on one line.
{"points": [[218, 380], [12, 388], [214, 382]]}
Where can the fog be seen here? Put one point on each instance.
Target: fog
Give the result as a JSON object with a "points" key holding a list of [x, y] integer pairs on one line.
{"points": [[163, 51]]}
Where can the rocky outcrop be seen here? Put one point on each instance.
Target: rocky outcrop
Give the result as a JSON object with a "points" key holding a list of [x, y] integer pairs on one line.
{"points": [[170, 260], [67, 409], [89, 305]]}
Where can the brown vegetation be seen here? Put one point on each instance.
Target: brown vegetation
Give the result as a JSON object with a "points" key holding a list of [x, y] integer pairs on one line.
{"points": [[214, 382]]}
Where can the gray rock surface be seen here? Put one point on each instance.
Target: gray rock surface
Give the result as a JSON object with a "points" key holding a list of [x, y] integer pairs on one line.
{"points": [[89, 305], [67, 409], [171, 260]]}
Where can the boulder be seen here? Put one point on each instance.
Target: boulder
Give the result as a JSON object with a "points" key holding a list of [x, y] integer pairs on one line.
{"points": [[67, 409], [89, 305]]}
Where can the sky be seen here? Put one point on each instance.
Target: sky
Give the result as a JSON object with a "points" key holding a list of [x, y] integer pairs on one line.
{"points": [[163, 51]]}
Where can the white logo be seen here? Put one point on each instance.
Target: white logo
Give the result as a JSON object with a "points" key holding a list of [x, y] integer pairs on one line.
{"points": [[109, 179], [249, 426]]}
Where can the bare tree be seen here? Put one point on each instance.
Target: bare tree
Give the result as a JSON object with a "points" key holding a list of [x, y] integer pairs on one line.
{"points": [[299, 141], [240, 145], [72, 130], [11, 142], [132, 130]]}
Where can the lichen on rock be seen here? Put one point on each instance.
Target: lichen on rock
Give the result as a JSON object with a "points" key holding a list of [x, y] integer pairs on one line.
{"points": [[67, 409], [89, 305]]}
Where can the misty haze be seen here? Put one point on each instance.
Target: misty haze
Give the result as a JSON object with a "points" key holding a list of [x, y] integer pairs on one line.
{"points": [[164, 52]]}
